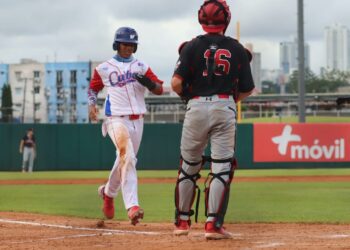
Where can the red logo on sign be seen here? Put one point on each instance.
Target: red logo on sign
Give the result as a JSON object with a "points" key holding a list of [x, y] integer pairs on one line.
{"points": [[301, 142]]}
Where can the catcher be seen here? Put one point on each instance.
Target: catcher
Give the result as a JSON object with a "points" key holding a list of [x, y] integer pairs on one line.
{"points": [[212, 73]]}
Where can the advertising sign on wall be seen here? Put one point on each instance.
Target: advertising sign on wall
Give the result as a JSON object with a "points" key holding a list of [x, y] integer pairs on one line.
{"points": [[301, 143]]}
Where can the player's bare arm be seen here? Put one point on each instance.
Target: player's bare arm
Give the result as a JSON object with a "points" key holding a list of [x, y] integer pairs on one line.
{"points": [[21, 146], [244, 95], [95, 86], [158, 90], [93, 112], [176, 84]]}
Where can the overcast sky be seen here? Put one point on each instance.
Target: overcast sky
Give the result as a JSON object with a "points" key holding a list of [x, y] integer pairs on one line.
{"points": [[71, 30]]}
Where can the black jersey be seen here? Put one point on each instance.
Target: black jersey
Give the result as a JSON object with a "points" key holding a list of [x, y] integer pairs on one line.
{"points": [[230, 72], [28, 142]]}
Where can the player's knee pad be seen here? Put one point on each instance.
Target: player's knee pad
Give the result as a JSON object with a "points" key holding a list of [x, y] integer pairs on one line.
{"points": [[188, 175], [222, 178]]}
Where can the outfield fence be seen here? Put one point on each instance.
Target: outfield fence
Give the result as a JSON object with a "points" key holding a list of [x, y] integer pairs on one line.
{"points": [[82, 147]]}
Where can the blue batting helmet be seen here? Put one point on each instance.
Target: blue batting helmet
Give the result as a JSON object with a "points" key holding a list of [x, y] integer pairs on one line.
{"points": [[125, 35]]}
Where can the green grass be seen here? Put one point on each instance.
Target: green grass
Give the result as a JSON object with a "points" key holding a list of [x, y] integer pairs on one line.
{"points": [[59, 175], [324, 202], [290, 202], [168, 173], [294, 119], [249, 202], [292, 172]]}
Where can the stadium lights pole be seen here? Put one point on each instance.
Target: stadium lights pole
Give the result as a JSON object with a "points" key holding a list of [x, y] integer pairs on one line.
{"points": [[34, 103], [24, 97], [239, 107], [301, 61]]}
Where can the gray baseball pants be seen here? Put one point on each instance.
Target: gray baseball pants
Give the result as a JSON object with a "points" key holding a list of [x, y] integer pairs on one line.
{"points": [[28, 158], [208, 119]]}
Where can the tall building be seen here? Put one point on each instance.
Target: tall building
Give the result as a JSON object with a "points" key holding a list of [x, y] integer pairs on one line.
{"points": [[27, 80], [67, 85], [289, 56], [255, 67], [337, 41]]}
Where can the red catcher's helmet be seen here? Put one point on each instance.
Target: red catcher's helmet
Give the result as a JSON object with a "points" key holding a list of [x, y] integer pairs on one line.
{"points": [[214, 16]]}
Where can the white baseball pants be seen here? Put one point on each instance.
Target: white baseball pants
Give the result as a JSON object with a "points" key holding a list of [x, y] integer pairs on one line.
{"points": [[126, 135]]}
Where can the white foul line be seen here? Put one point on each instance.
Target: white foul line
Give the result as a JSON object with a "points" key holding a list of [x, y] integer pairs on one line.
{"points": [[114, 231], [270, 245], [61, 238], [336, 236]]}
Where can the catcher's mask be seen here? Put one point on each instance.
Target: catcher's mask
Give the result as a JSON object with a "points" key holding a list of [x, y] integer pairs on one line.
{"points": [[214, 16], [125, 35]]}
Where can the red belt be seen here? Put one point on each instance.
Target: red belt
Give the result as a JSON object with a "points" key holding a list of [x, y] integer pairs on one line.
{"points": [[221, 96], [133, 117]]}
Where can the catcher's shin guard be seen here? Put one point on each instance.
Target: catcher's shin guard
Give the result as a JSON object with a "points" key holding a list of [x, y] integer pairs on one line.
{"points": [[183, 204], [225, 178]]}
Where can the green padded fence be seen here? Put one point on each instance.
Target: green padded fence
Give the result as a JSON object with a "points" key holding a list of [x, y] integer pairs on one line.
{"points": [[82, 147]]}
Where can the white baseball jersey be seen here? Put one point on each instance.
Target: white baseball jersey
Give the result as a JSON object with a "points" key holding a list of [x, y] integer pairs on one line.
{"points": [[125, 95]]}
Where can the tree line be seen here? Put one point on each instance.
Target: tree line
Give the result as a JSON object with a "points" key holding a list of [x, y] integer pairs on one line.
{"points": [[6, 104], [328, 82]]}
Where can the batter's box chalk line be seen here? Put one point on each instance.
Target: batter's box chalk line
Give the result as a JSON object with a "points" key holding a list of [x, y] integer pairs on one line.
{"points": [[113, 231], [62, 238]]}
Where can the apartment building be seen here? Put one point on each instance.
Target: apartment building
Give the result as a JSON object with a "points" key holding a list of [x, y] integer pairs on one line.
{"points": [[67, 85], [48, 92], [27, 80], [337, 45]]}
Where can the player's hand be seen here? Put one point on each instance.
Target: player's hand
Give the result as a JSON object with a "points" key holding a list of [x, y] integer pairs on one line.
{"points": [[93, 112], [145, 81]]}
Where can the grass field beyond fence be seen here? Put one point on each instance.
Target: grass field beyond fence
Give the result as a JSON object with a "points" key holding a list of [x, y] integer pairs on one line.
{"points": [[294, 119], [323, 202]]}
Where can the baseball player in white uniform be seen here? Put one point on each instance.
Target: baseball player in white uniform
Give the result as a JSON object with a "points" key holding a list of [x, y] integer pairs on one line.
{"points": [[126, 79]]}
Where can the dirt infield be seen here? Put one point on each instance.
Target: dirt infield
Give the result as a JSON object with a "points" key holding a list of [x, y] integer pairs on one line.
{"points": [[34, 231], [333, 178]]}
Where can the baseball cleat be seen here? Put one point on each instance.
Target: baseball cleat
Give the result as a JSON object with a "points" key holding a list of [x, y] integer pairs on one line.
{"points": [[183, 228], [135, 214], [108, 203], [213, 233]]}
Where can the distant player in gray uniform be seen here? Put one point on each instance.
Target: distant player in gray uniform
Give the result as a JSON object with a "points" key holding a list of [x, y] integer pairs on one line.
{"points": [[212, 74], [27, 147]]}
